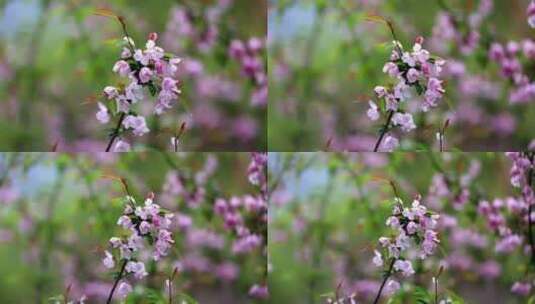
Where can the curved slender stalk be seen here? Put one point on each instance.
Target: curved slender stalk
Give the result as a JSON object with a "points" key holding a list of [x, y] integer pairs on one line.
{"points": [[388, 274], [115, 133], [119, 277], [384, 130]]}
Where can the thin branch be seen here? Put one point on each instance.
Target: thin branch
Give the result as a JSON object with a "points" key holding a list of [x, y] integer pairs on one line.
{"points": [[384, 130], [115, 132], [119, 277], [387, 276]]}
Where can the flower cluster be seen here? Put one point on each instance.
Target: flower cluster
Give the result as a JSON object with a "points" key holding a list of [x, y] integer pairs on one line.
{"points": [[493, 212], [461, 32], [234, 213], [414, 228], [531, 14], [246, 216], [257, 170], [522, 174], [183, 26], [509, 59], [415, 72], [249, 54], [149, 70], [503, 216], [145, 224], [259, 291], [456, 189]]}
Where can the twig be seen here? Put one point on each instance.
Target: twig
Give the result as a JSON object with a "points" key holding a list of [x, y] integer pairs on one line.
{"points": [[115, 133], [387, 275], [119, 277], [384, 130]]}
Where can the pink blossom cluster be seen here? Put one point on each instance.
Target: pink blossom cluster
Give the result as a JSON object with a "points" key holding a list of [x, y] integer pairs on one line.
{"points": [[257, 170], [185, 195], [149, 70], [522, 174], [462, 33], [146, 223], [504, 216], [413, 230], [176, 186], [246, 216], [495, 214], [452, 189], [417, 75], [531, 14], [235, 213], [250, 56], [183, 25], [509, 58]]}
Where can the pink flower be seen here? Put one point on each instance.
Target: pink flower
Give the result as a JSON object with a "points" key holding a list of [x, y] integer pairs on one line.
{"points": [[373, 112], [391, 287], [389, 144], [246, 244], [412, 227], [122, 104], [508, 243], [391, 69], [531, 14], [528, 47], [521, 288], [237, 49], [122, 68], [121, 146], [255, 44], [111, 92], [144, 227], [137, 123], [377, 259], [115, 242], [169, 84], [125, 222], [404, 266], [138, 268], [103, 116], [108, 260], [404, 120], [123, 290], [413, 75], [145, 74], [496, 52], [393, 222], [141, 58], [380, 91], [259, 291], [134, 92]]}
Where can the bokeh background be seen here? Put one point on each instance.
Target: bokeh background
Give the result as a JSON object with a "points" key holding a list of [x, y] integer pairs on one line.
{"points": [[58, 211], [326, 57], [57, 56], [328, 210]]}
